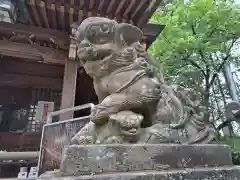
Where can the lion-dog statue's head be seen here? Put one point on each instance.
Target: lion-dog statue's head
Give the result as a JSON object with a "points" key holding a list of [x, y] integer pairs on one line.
{"points": [[100, 38]]}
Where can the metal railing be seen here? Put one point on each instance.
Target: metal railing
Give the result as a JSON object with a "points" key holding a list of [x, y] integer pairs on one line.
{"points": [[72, 109], [19, 155], [35, 154]]}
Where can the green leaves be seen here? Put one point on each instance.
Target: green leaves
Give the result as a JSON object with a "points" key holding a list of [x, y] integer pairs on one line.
{"points": [[194, 32]]}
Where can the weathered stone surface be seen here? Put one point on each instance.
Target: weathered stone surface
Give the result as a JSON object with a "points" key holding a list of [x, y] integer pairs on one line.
{"points": [[126, 79], [221, 173], [85, 160]]}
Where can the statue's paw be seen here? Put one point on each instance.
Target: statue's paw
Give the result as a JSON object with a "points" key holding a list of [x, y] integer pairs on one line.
{"points": [[98, 115], [113, 140], [82, 140]]}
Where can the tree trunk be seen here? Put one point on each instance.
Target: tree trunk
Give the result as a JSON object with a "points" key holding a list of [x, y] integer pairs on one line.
{"points": [[206, 96], [230, 82], [221, 91], [227, 130], [217, 104]]}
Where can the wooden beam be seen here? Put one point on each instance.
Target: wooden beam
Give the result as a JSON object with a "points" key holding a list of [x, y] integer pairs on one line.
{"points": [[117, 5], [19, 66], [70, 78], [82, 2], [35, 13], [100, 6], [80, 16], [130, 7], [52, 15], [62, 17], [32, 52], [153, 5], [110, 6], [71, 13], [91, 4], [27, 14], [120, 6], [73, 45], [17, 80], [40, 34], [86, 5], [69, 88], [141, 3], [44, 13]]}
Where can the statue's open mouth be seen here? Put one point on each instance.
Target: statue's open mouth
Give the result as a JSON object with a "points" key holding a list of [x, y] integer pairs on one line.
{"points": [[130, 131]]}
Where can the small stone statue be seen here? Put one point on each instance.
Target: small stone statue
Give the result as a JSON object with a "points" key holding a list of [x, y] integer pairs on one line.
{"points": [[232, 113], [135, 104]]}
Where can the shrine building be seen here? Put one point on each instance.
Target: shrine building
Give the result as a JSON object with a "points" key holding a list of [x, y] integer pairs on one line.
{"points": [[38, 59]]}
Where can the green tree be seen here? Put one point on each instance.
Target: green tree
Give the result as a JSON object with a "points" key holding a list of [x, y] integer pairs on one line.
{"points": [[197, 41]]}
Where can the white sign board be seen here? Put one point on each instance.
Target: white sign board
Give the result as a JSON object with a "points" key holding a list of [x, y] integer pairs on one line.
{"points": [[43, 109]]}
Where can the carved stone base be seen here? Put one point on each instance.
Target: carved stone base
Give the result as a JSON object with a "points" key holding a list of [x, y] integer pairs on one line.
{"points": [[92, 159], [221, 173], [146, 162]]}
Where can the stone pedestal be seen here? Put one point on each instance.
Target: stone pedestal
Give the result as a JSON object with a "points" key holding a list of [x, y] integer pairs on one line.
{"points": [[148, 162]]}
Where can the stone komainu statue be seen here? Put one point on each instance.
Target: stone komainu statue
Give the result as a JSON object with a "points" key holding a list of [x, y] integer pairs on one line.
{"points": [[232, 113], [135, 104]]}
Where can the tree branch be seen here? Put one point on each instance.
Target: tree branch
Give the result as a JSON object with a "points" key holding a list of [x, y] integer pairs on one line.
{"points": [[223, 62], [193, 63], [166, 39], [211, 32], [226, 123], [193, 30], [200, 50]]}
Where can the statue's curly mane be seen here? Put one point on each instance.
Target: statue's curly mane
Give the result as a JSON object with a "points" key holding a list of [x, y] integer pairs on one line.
{"points": [[142, 53]]}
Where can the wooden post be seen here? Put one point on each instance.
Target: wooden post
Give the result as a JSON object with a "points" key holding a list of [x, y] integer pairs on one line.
{"points": [[70, 78]]}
